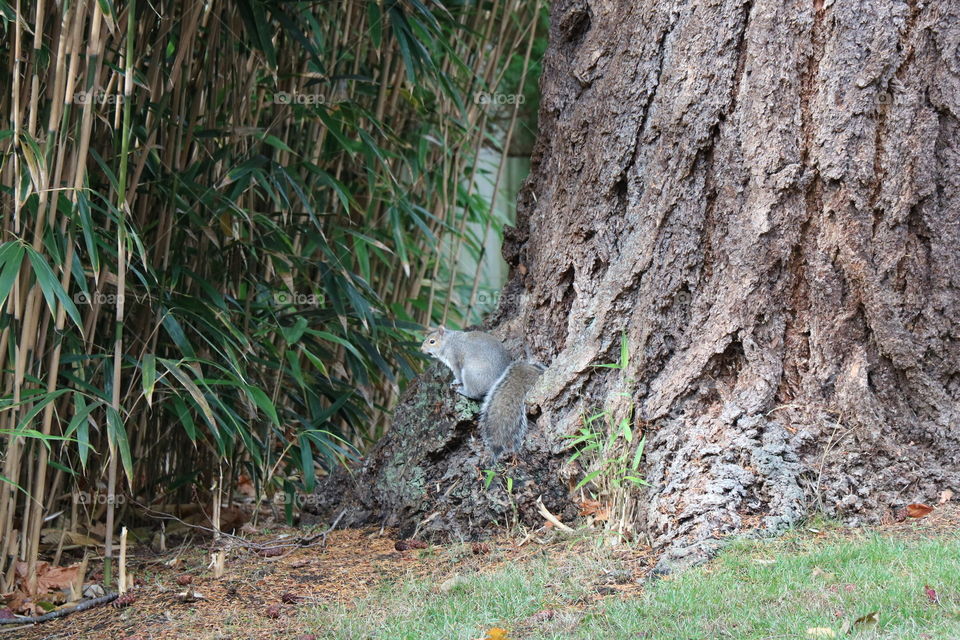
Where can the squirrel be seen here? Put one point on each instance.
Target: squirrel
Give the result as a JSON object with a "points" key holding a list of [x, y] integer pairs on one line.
{"points": [[483, 369]]}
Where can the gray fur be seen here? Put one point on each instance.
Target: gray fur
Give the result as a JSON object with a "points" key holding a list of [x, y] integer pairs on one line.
{"points": [[476, 359], [503, 416]]}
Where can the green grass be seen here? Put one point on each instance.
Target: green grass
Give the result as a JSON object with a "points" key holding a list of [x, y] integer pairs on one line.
{"points": [[756, 589]]}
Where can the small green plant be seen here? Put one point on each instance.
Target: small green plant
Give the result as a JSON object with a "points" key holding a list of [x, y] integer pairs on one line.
{"points": [[610, 450], [488, 476]]}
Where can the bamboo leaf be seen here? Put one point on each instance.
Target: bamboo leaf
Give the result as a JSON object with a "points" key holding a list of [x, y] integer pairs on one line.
{"points": [[587, 478], [118, 438], [11, 257], [306, 463], [192, 389], [78, 423], [638, 454], [51, 287], [149, 374]]}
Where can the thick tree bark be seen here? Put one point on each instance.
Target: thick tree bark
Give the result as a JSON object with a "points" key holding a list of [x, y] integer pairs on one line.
{"points": [[764, 196]]}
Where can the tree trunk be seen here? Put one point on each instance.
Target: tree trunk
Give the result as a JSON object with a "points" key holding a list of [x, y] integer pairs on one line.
{"points": [[763, 197]]}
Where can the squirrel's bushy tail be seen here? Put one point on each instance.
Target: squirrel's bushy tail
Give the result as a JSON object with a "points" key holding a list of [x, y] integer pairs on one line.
{"points": [[503, 417]]}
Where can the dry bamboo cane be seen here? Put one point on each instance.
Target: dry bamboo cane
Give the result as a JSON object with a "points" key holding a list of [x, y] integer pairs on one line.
{"points": [[474, 113], [8, 497], [123, 211], [32, 532], [506, 149]]}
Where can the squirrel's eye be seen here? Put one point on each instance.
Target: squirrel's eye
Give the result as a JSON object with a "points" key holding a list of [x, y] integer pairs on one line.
{"points": [[432, 341]]}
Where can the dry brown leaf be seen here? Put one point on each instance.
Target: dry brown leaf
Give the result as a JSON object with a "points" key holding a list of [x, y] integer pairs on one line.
{"points": [[871, 618], [406, 545], [56, 578], [540, 617], [589, 507], [70, 538], [918, 510], [946, 496], [48, 578], [820, 573]]}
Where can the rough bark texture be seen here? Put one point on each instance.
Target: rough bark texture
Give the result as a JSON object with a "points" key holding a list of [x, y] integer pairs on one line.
{"points": [[765, 197], [427, 477]]}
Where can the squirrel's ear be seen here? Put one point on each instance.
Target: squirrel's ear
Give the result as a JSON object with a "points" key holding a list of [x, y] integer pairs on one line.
{"points": [[441, 329]]}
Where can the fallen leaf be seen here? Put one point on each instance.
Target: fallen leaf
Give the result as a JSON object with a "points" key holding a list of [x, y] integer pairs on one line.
{"points": [[480, 548], [92, 590], [540, 617], [497, 633], [931, 594], [190, 595], [946, 496], [19, 602], [869, 619], [70, 538], [49, 578], [589, 507], [125, 600], [271, 552], [289, 598], [184, 579], [406, 545], [918, 510], [820, 573], [821, 632], [273, 611], [245, 486]]}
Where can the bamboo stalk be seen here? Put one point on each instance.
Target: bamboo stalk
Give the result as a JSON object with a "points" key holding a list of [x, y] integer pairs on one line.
{"points": [[123, 210], [12, 463]]}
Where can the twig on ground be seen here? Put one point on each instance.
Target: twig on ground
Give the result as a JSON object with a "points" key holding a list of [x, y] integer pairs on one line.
{"points": [[59, 613]]}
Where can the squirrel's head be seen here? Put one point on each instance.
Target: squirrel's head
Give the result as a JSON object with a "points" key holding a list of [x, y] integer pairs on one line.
{"points": [[434, 341]]}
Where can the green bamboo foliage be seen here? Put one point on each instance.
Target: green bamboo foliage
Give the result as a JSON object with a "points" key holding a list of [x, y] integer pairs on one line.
{"points": [[221, 223]]}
